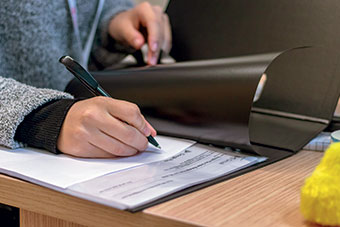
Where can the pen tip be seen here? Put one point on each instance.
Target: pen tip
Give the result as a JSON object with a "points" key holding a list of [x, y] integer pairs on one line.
{"points": [[153, 142]]}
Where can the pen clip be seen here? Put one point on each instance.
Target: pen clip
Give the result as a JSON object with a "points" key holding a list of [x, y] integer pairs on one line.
{"points": [[79, 72]]}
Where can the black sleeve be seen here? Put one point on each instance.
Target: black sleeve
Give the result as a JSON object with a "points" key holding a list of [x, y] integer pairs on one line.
{"points": [[41, 127]]}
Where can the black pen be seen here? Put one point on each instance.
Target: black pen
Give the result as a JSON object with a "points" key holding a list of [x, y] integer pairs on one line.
{"points": [[90, 83]]}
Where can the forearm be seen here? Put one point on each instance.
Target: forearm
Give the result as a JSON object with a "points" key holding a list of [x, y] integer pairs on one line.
{"points": [[17, 101], [42, 126]]}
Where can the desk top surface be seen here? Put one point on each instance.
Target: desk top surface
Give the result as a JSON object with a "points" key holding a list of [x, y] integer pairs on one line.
{"points": [[265, 197]]}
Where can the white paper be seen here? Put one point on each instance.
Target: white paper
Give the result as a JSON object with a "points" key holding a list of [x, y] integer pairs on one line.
{"points": [[141, 185], [62, 170]]}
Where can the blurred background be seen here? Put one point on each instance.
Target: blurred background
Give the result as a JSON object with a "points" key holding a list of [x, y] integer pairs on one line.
{"points": [[161, 3]]}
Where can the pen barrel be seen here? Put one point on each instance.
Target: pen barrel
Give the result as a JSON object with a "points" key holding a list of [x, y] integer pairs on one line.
{"points": [[102, 92]]}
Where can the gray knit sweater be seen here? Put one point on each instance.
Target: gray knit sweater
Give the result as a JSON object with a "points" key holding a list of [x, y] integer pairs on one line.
{"points": [[34, 34]]}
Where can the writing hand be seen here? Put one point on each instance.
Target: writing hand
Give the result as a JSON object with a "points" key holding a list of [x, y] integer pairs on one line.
{"points": [[126, 27], [96, 128]]}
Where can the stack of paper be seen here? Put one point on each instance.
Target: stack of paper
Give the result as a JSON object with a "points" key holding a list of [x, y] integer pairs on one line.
{"points": [[319, 143], [128, 182]]}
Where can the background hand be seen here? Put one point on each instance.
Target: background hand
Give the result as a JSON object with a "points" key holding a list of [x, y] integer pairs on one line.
{"points": [[129, 27], [96, 128]]}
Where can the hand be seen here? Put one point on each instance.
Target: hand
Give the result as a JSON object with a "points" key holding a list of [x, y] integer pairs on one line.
{"points": [[96, 128], [126, 27]]}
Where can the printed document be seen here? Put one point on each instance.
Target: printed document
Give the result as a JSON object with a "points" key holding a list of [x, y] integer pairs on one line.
{"points": [[127, 182], [61, 171], [144, 184]]}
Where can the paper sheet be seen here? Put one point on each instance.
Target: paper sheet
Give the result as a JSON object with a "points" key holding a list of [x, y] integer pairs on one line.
{"points": [[62, 170], [319, 143], [138, 186]]}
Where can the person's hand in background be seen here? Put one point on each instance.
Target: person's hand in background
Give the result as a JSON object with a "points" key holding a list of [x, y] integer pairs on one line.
{"points": [[128, 27], [96, 128]]}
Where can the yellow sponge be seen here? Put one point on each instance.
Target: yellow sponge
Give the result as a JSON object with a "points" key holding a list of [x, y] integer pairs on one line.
{"points": [[320, 195]]}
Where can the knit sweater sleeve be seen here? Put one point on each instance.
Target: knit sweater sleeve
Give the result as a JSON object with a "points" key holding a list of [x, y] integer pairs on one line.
{"points": [[17, 100], [106, 51], [41, 128]]}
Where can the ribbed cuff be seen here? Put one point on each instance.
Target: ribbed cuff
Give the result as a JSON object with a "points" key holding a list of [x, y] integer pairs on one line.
{"points": [[41, 127]]}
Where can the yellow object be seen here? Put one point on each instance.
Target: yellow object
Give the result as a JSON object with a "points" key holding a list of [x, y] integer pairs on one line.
{"points": [[320, 195]]}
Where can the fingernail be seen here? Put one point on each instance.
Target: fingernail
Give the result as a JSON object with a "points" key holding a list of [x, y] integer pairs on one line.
{"points": [[154, 46], [153, 60], [146, 131], [137, 42]]}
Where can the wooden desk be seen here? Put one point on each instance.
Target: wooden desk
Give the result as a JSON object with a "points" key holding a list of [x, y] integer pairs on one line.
{"points": [[266, 197]]}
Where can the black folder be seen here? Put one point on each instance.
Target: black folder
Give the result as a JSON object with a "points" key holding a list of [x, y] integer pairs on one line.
{"points": [[211, 29], [208, 94]]}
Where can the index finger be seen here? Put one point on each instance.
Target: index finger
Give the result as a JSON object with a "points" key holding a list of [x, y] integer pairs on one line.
{"points": [[129, 113], [151, 18]]}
